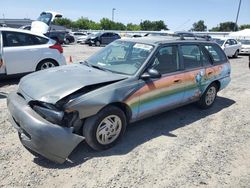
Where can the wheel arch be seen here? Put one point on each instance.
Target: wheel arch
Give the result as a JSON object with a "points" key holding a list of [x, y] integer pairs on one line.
{"points": [[46, 59], [124, 107]]}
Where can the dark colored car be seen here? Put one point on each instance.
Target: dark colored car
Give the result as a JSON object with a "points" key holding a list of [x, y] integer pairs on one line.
{"points": [[99, 39], [68, 38], [57, 36], [128, 80]]}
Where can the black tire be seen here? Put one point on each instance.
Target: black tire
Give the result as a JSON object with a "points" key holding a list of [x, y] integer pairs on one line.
{"points": [[236, 54], [204, 101], [49, 63], [97, 43], [67, 41], [93, 123]]}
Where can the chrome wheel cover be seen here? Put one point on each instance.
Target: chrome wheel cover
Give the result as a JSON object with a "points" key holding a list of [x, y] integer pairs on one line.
{"points": [[47, 65], [210, 95], [109, 129]]}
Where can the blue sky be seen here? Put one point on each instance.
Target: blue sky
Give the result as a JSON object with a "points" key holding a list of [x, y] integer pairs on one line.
{"points": [[177, 14]]}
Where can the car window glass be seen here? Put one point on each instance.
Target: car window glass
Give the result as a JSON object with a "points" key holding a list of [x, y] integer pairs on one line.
{"points": [[12, 39], [216, 53], [233, 42], [117, 54], [166, 60], [192, 56]]}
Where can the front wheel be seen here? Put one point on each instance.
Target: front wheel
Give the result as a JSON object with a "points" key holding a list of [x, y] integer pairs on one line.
{"points": [[209, 96], [103, 130], [98, 43]]}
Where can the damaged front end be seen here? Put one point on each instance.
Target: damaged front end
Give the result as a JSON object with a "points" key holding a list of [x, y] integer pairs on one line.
{"points": [[44, 128]]}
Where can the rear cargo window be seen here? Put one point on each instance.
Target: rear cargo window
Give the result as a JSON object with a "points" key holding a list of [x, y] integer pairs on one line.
{"points": [[216, 53]]}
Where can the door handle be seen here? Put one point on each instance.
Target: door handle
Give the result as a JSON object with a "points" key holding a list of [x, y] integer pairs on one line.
{"points": [[210, 73], [177, 81]]}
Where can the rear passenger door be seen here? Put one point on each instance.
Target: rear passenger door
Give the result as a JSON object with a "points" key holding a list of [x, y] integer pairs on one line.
{"points": [[21, 52], [193, 59], [166, 92]]}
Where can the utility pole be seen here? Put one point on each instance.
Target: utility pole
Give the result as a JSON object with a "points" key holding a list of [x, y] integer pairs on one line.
{"points": [[236, 21], [113, 12]]}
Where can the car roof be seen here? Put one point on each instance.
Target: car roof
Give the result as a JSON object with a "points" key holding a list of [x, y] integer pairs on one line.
{"points": [[156, 40], [22, 31]]}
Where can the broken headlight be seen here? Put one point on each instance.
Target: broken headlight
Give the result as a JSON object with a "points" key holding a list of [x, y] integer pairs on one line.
{"points": [[50, 114]]}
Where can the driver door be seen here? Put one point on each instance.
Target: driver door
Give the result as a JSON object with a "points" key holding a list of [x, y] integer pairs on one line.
{"points": [[166, 92]]}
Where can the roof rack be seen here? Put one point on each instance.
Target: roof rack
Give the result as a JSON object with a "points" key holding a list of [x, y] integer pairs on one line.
{"points": [[203, 37]]}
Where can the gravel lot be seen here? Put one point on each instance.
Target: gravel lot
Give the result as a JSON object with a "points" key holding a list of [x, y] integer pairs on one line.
{"points": [[185, 147]]}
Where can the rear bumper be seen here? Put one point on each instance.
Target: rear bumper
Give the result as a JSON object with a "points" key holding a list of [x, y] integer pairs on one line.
{"points": [[224, 82], [49, 140]]}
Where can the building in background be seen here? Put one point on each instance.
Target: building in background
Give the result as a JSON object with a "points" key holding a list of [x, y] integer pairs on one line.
{"points": [[15, 23]]}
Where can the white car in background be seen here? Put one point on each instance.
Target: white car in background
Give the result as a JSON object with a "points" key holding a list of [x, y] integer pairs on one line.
{"points": [[82, 38], [23, 51], [230, 46], [245, 48], [77, 35]]}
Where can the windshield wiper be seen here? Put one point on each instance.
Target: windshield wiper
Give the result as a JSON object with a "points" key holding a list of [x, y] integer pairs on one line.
{"points": [[94, 66], [97, 67]]}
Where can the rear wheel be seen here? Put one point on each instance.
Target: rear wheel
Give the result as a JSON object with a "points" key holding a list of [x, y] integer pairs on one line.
{"points": [[46, 64], [67, 41], [209, 96], [103, 130], [236, 54]]}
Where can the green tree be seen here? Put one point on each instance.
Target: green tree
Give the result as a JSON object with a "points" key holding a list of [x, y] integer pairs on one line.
{"points": [[199, 26], [106, 24], [153, 25], [63, 22], [225, 26], [133, 27], [244, 26]]}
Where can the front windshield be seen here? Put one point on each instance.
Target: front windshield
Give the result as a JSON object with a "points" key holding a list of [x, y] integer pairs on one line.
{"points": [[45, 17], [121, 57], [247, 42], [219, 41]]}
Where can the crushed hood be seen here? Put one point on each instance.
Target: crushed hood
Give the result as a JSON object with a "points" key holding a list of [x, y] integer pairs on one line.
{"points": [[56, 83]]}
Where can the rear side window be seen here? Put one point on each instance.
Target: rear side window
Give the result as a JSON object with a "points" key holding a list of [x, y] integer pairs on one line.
{"points": [[15, 39], [216, 53], [192, 56]]}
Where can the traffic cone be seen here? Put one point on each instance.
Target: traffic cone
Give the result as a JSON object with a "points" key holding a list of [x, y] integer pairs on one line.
{"points": [[70, 59]]}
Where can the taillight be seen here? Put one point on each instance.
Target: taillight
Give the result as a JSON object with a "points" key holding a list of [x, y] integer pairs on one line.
{"points": [[57, 47]]}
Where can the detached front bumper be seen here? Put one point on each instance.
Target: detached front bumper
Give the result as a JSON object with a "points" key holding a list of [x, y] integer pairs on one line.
{"points": [[49, 140]]}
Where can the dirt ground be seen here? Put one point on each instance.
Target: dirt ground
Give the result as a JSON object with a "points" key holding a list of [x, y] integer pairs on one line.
{"points": [[185, 147]]}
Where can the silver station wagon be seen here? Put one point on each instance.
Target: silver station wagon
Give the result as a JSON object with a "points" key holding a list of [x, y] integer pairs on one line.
{"points": [[128, 80]]}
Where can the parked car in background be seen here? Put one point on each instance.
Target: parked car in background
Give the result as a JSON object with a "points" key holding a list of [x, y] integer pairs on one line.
{"points": [[68, 38], [43, 23], [58, 36], [245, 48], [128, 80], [100, 38], [82, 38], [230, 46], [23, 51], [77, 34]]}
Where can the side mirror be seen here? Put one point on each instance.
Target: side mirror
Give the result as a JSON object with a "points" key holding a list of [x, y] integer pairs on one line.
{"points": [[226, 45], [151, 73]]}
